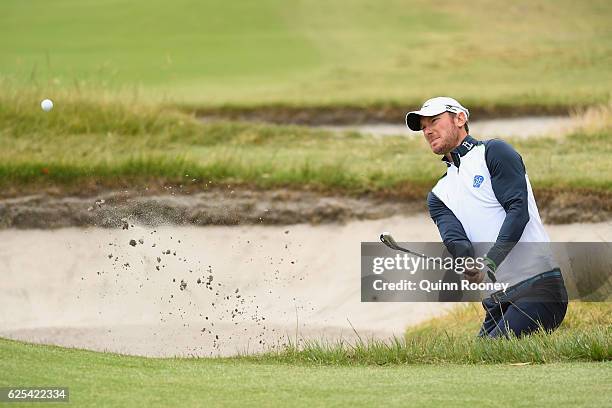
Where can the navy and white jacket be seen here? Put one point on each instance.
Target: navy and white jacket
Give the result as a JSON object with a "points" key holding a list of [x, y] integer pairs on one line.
{"points": [[485, 197]]}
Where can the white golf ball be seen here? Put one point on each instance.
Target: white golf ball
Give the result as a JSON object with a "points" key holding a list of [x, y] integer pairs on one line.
{"points": [[46, 105]]}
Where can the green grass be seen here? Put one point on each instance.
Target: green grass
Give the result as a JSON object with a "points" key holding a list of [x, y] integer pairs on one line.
{"points": [[551, 53], [585, 335], [113, 380], [85, 142], [570, 377]]}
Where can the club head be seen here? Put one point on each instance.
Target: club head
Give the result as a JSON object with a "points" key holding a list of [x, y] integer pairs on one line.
{"points": [[388, 240]]}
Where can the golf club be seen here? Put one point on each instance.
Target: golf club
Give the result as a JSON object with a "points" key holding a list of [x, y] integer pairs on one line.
{"points": [[387, 239]]}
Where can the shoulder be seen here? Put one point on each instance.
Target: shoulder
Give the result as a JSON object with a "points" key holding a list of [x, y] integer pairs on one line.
{"points": [[498, 147], [501, 153]]}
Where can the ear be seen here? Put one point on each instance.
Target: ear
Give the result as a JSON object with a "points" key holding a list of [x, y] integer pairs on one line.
{"points": [[460, 119]]}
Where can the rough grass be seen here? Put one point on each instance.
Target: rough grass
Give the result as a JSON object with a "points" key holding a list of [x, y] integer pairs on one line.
{"points": [[585, 335], [552, 53], [82, 142]]}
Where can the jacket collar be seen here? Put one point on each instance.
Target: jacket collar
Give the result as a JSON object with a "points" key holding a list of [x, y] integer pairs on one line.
{"points": [[464, 147]]}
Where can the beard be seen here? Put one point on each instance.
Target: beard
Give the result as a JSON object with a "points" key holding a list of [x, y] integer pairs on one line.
{"points": [[442, 145]]}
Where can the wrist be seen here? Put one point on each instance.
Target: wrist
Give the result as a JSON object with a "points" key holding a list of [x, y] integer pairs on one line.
{"points": [[490, 263], [490, 267]]}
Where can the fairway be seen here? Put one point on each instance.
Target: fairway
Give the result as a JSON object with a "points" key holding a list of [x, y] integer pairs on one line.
{"points": [[547, 53], [112, 380]]}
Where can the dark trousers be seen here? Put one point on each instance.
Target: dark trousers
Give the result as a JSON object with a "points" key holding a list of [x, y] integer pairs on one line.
{"points": [[525, 308]]}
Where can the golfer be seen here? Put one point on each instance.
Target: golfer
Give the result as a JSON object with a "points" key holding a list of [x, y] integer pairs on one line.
{"points": [[484, 206]]}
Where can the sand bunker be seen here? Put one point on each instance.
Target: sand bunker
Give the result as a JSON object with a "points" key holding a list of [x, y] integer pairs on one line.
{"points": [[204, 291], [522, 127]]}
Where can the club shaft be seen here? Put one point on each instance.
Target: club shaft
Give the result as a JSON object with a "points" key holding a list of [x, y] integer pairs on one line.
{"points": [[400, 248], [390, 243]]}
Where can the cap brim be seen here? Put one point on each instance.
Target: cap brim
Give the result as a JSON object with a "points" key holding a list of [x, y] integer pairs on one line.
{"points": [[413, 119]]}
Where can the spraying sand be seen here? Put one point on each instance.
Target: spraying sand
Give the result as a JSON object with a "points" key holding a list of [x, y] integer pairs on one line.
{"points": [[179, 291]]}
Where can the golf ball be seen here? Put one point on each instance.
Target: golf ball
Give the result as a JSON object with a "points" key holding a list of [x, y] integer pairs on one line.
{"points": [[46, 105]]}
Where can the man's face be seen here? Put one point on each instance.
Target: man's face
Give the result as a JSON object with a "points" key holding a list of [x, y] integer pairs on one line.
{"points": [[441, 132]]}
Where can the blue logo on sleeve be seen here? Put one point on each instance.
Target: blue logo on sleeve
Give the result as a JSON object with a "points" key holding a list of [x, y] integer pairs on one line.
{"points": [[478, 181]]}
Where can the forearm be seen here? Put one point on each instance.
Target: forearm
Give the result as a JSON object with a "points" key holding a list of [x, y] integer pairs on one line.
{"points": [[509, 234]]}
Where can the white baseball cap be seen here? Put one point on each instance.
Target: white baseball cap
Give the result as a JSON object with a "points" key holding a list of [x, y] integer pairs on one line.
{"points": [[433, 107]]}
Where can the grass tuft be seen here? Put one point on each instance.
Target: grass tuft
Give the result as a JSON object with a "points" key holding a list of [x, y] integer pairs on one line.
{"points": [[585, 335]]}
